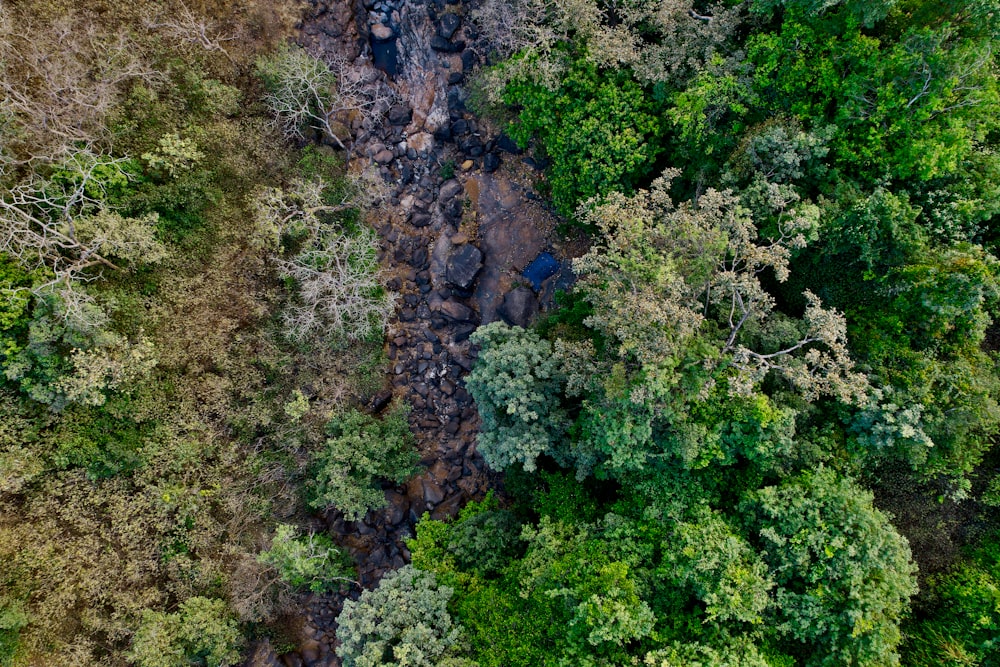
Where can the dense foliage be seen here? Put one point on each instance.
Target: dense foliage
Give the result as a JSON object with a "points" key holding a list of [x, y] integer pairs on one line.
{"points": [[405, 622], [160, 246], [802, 303], [785, 311], [360, 452]]}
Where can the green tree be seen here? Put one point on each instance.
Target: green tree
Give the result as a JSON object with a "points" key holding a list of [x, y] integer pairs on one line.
{"points": [[308, 561], [516, 384], [360, 452], [404, 622], [732, 652], [843, 575], [12, 619]]}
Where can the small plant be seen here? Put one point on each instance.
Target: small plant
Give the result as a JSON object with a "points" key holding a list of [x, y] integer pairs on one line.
{"points": [[991, 496], [12, 619], [447, 170], [310, 561], [297, 406]]}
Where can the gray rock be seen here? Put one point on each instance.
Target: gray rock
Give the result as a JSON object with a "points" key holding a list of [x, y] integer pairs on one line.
{"points": [[458, 312], [449, 189], [448, 25], [382, 399], [400, 114], [447, 509], [471, 146], [462, 333], [439, 472], [420, 218], [463, 264], [453, 210], [398, 508], [519, 307], [491, 162]]}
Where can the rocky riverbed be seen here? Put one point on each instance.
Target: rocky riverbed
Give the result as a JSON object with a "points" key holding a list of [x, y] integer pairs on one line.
{"points": [[463, 222]]}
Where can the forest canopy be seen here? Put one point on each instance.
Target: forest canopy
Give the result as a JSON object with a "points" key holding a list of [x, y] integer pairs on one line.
{"points": [[757, 428]]}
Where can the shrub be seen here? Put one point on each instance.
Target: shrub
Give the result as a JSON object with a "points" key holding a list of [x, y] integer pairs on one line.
{"points": [[361, 451], [202, 632], [404, 622], [516, 384], [311, 561]]}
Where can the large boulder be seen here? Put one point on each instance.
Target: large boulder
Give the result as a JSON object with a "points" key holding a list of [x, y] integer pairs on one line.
{"points": [[463, 264], [457, 312], [449, 190], [400, 114], [519, 307], [448, 25]]}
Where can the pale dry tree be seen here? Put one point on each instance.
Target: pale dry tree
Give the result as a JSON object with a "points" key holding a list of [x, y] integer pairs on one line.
{"points": [[183, 25], [693, 270], [339, 288], [295, 210], [662, 40], [335, 270], [306, 93], [61, 225], [52, 100]]}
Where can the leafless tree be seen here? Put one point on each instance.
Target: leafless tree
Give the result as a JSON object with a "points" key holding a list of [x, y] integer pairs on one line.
{"points": [[183, 25], [339, 288], [63, 224], [337, 273], [308, 93], [52, 99]]}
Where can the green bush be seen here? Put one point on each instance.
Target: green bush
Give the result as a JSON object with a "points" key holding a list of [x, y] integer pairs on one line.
{"points": [[360, 452], [404, 622], [310, 561], [203, 632], [598, 127], [516, 384], [963, 628]]}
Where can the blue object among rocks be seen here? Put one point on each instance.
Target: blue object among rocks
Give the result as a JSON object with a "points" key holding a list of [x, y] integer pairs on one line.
{"points": [[541, 268]]}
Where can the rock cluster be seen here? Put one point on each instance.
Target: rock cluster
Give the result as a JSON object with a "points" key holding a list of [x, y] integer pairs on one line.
{"points": [[426, 150]]}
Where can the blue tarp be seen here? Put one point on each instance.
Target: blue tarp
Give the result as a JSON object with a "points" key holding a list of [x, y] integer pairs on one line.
{"points": [[541, 268]]}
